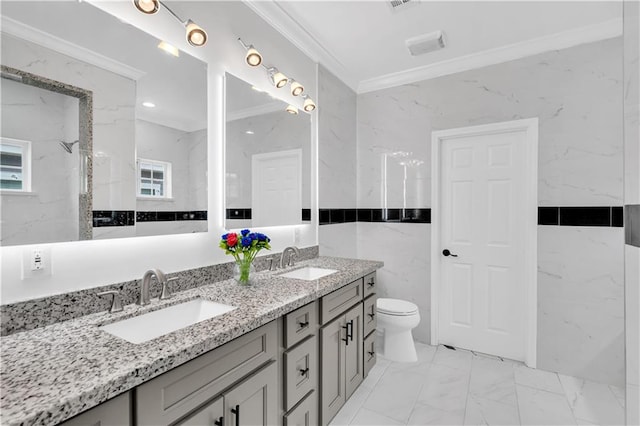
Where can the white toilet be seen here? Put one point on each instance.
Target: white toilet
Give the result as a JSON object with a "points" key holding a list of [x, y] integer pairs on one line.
{"points": [[396, 319]]}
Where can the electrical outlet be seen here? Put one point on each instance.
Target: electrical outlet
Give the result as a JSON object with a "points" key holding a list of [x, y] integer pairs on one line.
{"points": [[36, 262]]}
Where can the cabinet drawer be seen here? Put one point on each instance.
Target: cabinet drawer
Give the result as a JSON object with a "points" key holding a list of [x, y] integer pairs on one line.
{"points": [[114, 412], [337, 302], [370, 317], [305, 413], [300, 371], [370, 284], [299, 324], [369, 353], [178, 392]]}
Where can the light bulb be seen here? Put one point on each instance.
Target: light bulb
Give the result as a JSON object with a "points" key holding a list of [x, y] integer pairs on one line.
{"points": [[292, 110], [196, 36], [253, 57], [148, 7], [309, 105], [296, 88]]}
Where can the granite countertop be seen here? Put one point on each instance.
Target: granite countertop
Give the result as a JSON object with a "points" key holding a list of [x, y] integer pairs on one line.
{"points": [[52, 373]]}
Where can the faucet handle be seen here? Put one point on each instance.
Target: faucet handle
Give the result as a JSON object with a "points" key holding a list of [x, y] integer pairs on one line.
{"points": [[116, 304], [273, 264], [166, 292]]}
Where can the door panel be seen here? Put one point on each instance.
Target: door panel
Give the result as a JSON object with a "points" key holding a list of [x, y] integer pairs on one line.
{"points": [[482, 289], [254, 401], [353, 351]]}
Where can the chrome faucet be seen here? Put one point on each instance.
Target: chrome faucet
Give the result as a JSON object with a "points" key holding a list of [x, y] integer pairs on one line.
{"points": [[146, 282], [290, 261]]}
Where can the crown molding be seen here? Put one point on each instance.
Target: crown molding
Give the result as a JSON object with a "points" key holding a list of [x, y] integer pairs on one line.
{"points": [[256, 110], [289, 27], [562, 40], [20, 30]]}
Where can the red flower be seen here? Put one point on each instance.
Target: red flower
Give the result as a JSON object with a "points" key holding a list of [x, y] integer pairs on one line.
{"points": [[232, 239]]}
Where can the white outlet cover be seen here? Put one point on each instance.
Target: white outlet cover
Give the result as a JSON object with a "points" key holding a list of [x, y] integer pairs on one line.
{"points": [[27, 262]]}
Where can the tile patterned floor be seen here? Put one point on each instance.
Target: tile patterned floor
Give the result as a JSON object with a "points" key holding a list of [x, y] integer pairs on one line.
{"points": [[447, 387]]}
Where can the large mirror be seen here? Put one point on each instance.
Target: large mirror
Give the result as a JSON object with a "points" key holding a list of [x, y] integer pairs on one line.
{"points": [[104, 128], [268, 159]]}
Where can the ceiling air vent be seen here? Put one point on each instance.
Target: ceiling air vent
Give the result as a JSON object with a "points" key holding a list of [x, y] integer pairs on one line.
{"points": [[426, 43], [398, 5]]}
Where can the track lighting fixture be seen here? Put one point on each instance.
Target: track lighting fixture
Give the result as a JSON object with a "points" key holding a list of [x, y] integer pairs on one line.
{"points": [[196, 35], [296, 88], [253, 57], [148, 7], [308, 105], [277, 78]]}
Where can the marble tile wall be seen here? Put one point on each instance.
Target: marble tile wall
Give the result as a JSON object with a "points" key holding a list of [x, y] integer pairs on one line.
{"points": [[581, 302], [632, 197], [49, 213], [337, 158], [580, 164]]}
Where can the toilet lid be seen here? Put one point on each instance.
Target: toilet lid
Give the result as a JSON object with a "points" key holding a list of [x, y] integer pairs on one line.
{"points": [[396, 307]]}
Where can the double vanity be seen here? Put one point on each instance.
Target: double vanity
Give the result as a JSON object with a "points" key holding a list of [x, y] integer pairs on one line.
{"points": [[289, 349]]}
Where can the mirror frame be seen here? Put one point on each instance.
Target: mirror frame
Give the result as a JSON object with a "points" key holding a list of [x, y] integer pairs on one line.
{"points": [[85, 98]]}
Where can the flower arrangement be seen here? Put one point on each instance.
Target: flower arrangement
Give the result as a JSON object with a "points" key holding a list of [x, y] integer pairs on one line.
{"points": [[244, 247]]}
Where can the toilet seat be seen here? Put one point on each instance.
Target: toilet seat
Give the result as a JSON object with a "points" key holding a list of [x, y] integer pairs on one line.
{"points": [[396, 307]]}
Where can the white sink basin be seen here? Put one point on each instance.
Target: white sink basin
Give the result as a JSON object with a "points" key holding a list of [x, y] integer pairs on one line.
{"points": [[163, 321], [309, 273]]}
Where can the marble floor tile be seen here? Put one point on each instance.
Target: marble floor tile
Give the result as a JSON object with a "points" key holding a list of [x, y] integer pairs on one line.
{"points": [[538, 407], [445, 388], [395, 394], [425, 357], [351, 408], [482, 411], [459, 359], [539, 379], [370, 418], [428, 415], [592, 402], [493, 379]]}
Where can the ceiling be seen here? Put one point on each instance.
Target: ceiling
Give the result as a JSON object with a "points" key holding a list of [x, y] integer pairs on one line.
{"points": [[363, 42], [177, 86]]}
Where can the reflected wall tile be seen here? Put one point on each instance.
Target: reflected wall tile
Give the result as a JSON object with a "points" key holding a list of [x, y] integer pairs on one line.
{"points": [[580, 302]]}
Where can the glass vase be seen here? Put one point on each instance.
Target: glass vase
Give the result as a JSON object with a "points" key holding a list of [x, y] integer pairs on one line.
{"points": [[242, 272]]}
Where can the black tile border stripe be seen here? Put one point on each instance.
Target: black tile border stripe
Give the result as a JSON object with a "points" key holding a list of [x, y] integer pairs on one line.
{"points": [[607, 216], [103, 218], [240, 214], [335, 216], [170, 216], [632, 230]]}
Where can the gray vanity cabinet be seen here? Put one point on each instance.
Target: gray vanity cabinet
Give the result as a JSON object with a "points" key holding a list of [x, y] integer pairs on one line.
{"points": [[181, 393], [115, 412], [254, 401], [305, 413], [212, 414]]}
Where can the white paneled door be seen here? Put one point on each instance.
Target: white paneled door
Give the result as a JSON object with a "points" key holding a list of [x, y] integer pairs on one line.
{"points": [[482, 223]]}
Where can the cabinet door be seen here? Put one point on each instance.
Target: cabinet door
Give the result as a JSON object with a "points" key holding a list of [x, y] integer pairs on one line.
{"points": [[300, 371], [332, 373], [255, 400], [369, 284], [114, 412], [353, 351], [369, 353], [210, 415]]}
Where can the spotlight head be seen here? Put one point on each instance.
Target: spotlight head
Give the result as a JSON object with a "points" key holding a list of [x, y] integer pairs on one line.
{"points": [[196, 36], [308, 105], [277, 78], [148, 7], [296, 88], [292, 110], [253, 57]]}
